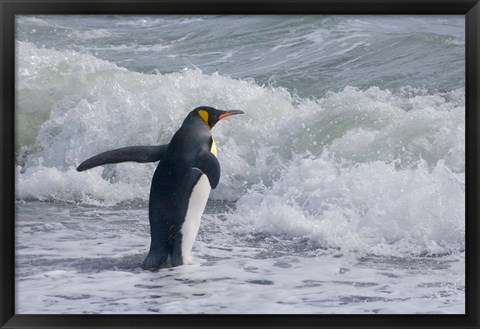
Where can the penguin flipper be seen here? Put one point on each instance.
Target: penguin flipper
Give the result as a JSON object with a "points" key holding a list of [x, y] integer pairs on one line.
{"points": [[140, 154], [208, 164]]}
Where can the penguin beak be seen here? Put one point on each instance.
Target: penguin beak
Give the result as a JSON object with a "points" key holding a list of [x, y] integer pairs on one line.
{"points": [[229, 113]]}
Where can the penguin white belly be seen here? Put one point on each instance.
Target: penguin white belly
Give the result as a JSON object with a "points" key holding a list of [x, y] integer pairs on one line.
{"points": [[196, 206]]}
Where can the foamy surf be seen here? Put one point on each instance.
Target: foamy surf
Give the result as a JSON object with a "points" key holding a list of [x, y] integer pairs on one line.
{"points": [[327, 184], [359, 170]]}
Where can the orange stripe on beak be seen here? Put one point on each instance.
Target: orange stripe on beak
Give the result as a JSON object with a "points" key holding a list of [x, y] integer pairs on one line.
{"points": [[229, 113], [224, 115]]}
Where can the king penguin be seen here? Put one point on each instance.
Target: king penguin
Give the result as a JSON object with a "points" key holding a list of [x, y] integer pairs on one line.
{"points": [[187, 171]]}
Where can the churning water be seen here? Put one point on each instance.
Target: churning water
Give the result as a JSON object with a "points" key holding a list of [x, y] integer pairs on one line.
{"points": [[342, 188]]}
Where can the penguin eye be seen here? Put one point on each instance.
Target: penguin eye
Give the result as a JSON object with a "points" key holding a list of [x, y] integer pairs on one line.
{"points": [[204, 115]]}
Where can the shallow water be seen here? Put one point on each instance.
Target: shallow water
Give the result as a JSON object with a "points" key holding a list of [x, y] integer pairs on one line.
{"points": [[82, 259], [342, 187]]}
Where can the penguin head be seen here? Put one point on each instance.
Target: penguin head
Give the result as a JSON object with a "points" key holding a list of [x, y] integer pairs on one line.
{"points": [[211, 115]]}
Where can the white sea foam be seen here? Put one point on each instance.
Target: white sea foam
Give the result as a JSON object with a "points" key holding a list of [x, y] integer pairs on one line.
{"points": [[370, 208], [249, 286], [332, 199], [363, 170], [90, 34]]}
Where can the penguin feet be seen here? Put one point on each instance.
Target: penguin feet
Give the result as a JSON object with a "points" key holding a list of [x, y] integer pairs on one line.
{"points": [[176, 261], [155, 261]]}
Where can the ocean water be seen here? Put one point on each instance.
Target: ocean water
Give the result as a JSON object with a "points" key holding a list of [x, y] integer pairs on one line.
{"points": [[342, 187]]}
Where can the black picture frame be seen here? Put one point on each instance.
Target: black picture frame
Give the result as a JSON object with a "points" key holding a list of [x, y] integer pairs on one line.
{"points": [[9, 8]]}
